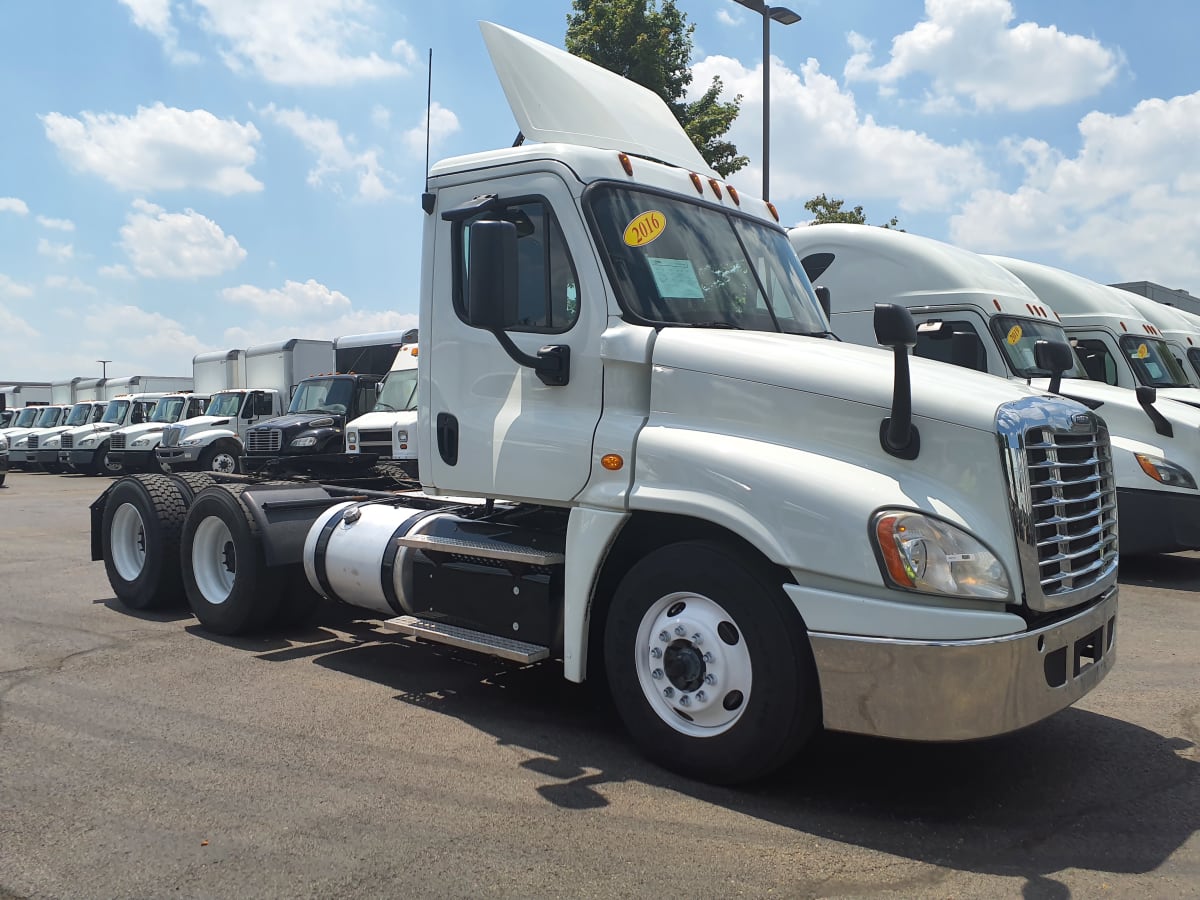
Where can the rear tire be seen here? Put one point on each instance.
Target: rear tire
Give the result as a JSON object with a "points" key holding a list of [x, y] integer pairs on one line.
{"points": [[140, 532], [192, 483], [709, 665], [228, 584]]}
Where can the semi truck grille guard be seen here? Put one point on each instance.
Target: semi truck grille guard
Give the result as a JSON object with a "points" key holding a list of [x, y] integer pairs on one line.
{"points": [[1062, 491]]}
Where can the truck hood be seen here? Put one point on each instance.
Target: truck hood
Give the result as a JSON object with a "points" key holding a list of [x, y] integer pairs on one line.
{"points": [[383, 420], [133, 431], [301, 420], [839, 370], [1188, 395], [196, 424], [1092, 392]]}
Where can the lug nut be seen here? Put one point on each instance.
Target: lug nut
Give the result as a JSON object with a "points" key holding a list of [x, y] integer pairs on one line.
{"points": [[685, 700], [669, 692], [697, 639], [680, 630], [710, 678], [657, 674], [709, 658], [656, 652], [701, 696], [663, 636]]}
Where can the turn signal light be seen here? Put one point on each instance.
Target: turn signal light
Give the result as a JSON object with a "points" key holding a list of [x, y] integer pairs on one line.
{"points": [[612, 461]]}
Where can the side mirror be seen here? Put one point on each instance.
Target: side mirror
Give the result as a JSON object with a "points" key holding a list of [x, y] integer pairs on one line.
{"points": [[491, 274], [824, 299], [1055, 357], [894, 328], [1145, 397]]}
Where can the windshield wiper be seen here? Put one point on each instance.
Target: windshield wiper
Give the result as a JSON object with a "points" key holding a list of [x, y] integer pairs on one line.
{"points": [[729, 325], [822, 334], [380, 406]]}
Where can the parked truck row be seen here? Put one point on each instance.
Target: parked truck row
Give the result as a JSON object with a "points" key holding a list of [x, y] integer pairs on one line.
{"points": [[643, 454]]}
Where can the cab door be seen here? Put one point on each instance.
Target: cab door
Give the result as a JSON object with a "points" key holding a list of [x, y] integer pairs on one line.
{"points": [[492, 426]]}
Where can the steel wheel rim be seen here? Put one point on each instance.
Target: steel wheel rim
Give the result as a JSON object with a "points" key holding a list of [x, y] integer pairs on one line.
{"points": [[214, 560], [127, 542], [225, 463], [695, 679]]}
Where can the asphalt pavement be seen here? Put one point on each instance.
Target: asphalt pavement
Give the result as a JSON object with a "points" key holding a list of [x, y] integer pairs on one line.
{"points": [[143, 757]]}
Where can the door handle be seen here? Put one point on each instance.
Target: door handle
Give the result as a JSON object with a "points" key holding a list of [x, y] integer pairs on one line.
{"points": [[447, 438]]}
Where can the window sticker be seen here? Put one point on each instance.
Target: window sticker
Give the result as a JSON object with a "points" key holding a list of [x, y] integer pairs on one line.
{"points": [[645, 228], [1014, 334], [1142, 351], [675, 278]]}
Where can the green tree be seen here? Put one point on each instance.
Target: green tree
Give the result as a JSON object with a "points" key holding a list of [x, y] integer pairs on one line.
{"points": [[826, 211], [651, 43]]}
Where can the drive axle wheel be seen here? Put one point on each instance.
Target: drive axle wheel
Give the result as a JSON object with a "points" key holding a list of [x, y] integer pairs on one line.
{"points": [[229, 586], [140, 532], [709, 664]]}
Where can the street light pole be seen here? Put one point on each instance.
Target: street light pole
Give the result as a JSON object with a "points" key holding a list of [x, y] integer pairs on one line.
{"points": [[104, 367], [783, 16]]}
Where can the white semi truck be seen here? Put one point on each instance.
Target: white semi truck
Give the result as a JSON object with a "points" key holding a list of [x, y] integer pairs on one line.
{"points": [[974, 313], [389, 430], [84, 449], [214, 442], [1180, 332], [750, 531], [41, 446], [131, 448]]}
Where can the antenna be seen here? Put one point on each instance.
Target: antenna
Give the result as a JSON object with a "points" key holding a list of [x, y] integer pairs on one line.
{"points": [[427, 199]]}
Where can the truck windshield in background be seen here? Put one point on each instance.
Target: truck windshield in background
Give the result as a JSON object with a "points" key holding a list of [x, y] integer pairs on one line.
{"points": [[115, 412], [1153, 363], [169, 409], [224, 404], [326, 395], [52, 416], [680, 263], [399, 392], [1017, 337], [26, 417]]}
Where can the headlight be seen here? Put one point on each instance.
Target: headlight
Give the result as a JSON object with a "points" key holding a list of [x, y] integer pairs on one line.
{"points": [[145, 441], [191, 442], [402, 436], [1165, 472], [921, 553], [304, 441], [85, 442], [49, 443]]}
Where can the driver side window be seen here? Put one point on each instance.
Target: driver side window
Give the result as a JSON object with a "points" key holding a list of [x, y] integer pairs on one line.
{"points": [[1096, 360]]}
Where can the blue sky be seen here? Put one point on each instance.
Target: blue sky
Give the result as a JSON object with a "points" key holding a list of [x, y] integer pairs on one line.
{"points": [[187, 175]]}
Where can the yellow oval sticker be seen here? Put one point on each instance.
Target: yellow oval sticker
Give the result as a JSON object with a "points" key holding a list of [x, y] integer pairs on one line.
{"points": [[1014, 334], [1143, 351], [645, 228]]}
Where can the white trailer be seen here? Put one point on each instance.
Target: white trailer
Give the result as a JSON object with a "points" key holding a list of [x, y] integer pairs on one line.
{"points": [[15, 396], [62, 393], [222, 370], [146, 384], [90, 389], [215, 441], [974, 313], [639, 447]]}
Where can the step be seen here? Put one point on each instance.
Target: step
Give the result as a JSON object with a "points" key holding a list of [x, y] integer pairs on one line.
{"points": [[484, 549], [467, 639]]}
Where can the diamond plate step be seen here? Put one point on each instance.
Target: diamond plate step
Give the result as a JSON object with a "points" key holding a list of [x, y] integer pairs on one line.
{"points": [[467, 639]]}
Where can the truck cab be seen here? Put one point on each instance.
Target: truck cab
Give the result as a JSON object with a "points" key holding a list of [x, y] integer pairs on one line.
{"points": [[84, 449], [213, 442], [310, 436], [40, 447], [1180, 333], [389, 430], [131, 448]]}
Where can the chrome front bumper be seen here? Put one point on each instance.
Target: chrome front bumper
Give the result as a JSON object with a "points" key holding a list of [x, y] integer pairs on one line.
{"points": [[962, 690]]}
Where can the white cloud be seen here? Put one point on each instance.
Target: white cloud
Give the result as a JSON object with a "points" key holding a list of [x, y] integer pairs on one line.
{"points": [[14, 327], [158, 148], [154, 16], [295, 300], [317, 42], [442, 124], [725, 18], [381, 116], [1126, 207], [73, 283], [177, 245], [822, 144], [57, 252], [138, 341], [56, 224], [970, 49], [13, 289], [13, 205], [335, 158], [116, 271]]}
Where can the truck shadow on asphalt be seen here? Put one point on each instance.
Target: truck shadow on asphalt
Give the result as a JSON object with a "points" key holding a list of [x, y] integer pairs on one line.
{"points": [[1077, 791], [1172, 571]]}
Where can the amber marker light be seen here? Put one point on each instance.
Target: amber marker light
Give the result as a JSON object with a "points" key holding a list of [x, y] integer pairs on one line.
{"points": [[886, 530], [737, 201], [697, 183], [626, 163], [612, 461], [716, 186], [774, 211]]}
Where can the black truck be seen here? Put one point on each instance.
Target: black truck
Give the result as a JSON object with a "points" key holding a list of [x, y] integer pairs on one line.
{"points": [[310, 439]]}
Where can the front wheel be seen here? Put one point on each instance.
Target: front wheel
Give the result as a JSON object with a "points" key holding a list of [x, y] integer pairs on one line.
{"points": [[709, 665], [219, 459]]}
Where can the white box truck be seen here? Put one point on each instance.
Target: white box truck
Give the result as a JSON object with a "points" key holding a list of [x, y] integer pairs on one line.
{"points": [[389, 430], [85, 448], [62, 392], [751, 531], [215, 442], [146, 384], [41, 446], [15, 396], [974, 313]]}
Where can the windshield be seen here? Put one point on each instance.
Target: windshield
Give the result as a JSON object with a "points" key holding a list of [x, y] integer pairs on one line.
{"points": [[168, 409], [1018, 337], [327, 395], [677, 263], [51, 416], [26, 417], [1152, 362], [115, 412], [80, 413], [224, 404], [399, 392]]}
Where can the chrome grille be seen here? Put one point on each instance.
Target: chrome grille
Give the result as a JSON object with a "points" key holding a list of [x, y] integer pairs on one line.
{"points": [[171, 435], [116, 442], [68, 442], [264, 440], [33, 442], [1064, 500]]}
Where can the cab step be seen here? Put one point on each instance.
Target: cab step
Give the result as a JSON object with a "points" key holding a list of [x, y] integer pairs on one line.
{"points": [[467, 639], [484, 549]]}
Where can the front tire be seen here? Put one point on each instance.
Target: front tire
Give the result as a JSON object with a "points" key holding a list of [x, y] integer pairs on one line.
{"points": [[708, 663], [140, 531], [228, 584], [220, 459]]}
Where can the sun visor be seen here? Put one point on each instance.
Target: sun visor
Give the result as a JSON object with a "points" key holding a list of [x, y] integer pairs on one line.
{"points": [[557, 97]]}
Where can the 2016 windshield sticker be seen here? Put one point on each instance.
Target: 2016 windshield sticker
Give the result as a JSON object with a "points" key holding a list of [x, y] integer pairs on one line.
{"points": [[1143, 351], [1014, 334], [645, 228]]}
